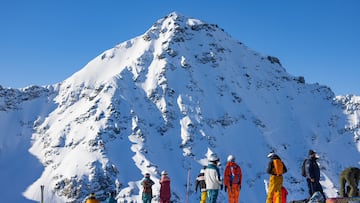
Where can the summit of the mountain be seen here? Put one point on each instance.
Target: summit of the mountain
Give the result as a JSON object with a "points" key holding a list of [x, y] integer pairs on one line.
{"points": [[165, 100]]}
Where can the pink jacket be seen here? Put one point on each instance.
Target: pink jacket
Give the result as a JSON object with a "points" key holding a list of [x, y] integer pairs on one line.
{"points": [[165, 193]]}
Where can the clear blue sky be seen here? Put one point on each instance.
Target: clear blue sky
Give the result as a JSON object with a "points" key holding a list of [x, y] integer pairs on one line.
{"points": [[45, 41]]}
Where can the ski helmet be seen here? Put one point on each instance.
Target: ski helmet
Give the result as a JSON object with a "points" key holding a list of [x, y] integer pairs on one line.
{"points": [[164, 172], [271, 154], [213, 158], [231, 158]]}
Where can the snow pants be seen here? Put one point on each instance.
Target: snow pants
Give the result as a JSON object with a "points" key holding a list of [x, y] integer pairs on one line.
{"points": [[146, 198], [212, 195], [233, 193], [203, 197], [275, 184], [314, 187]]}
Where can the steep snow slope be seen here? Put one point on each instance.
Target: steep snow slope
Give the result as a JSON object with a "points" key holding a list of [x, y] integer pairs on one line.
{"points": [[20, 111], [168, 98]]}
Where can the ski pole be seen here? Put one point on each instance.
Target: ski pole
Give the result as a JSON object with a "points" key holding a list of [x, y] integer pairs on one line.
{"points": [[42, 193], [187, 186]]}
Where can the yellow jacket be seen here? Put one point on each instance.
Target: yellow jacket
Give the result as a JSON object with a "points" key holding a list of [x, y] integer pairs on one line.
{"points": [[92, 200]]}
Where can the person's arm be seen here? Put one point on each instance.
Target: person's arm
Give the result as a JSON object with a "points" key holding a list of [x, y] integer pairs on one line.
{"points": [[285, 169], [308, 169], [270, 167], [226, 176], [197, 182]]}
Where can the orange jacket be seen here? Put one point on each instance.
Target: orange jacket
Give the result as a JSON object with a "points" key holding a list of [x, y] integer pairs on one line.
{"points": [[232, 174]]}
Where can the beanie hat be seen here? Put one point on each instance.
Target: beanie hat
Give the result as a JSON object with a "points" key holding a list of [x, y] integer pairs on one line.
{"points": [[147, 175]]}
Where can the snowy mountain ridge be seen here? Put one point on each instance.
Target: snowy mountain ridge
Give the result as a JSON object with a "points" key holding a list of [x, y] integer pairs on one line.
{"points": [[163, 101]]}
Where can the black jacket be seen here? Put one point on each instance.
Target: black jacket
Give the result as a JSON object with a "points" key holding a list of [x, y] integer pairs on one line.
{"points": [[200, 181], [312, 169]]}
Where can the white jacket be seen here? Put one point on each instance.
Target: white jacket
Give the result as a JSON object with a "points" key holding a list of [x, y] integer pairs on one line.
{"points": [[212, 178]]}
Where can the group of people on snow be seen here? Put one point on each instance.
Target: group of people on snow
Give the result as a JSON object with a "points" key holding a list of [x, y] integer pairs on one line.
{"points": [[165, 191], [311, 171], [209, 181]]}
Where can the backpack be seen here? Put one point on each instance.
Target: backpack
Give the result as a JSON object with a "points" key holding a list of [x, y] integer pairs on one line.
{"points": [[235, 174], [278, 167], [303, 170], [147, 186]]}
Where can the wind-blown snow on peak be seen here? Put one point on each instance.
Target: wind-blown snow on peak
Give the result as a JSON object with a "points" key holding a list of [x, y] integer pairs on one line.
{"points": [[167, 99]]}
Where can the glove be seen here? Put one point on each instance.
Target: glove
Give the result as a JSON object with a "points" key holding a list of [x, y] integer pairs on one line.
{"points": [[225, 188], [221, 187]]}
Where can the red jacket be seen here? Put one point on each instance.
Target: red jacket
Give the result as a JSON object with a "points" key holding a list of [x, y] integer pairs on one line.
{"points": [[232, 174], [165, 187]]}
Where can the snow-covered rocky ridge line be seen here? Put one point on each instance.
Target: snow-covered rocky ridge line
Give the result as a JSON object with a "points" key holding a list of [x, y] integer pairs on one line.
{"points": [[162, 101]]}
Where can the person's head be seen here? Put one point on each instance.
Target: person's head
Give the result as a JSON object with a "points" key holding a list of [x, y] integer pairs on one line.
{"points": [[231, 158], [111, 194], [312, 153], [214, 159], [202, 170], [147, 175], [164, 173], [271, 155], [92, 195]]}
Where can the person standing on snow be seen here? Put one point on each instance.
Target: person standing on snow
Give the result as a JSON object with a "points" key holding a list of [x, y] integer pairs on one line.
{"points": [[165, 193], [212, 178], [232, 179], [276, 168], [312, 171], [200, 182], [147, 184]]}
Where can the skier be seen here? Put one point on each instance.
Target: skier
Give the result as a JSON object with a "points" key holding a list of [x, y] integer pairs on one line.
{"points": [[232, 179], [276, 168], [212, 178], [351, 176], [165, 193], [200, 182], [313, 174], [147, 184]]}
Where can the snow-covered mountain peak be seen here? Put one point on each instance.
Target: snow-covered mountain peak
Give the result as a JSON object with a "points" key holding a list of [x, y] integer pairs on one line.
{"points": [[167, 99]]}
